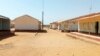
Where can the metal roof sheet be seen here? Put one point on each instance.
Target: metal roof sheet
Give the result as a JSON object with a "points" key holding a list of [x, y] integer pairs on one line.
{"points": [[3, 17]]}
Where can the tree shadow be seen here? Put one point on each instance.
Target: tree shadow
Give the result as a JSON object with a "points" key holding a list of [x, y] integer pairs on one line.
{"points": [[4, 35], [32, 31]]}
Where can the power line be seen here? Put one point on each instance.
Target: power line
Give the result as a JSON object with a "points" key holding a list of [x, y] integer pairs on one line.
{"points": [[91, 6]]}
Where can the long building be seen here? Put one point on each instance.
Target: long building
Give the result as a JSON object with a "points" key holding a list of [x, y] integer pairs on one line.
{"points": [[87, 23], [90, 24], [69, 25]]}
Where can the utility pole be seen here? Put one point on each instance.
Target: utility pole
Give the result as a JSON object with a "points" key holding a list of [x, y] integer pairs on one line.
{"points": [[42, 14], [90, 11]]}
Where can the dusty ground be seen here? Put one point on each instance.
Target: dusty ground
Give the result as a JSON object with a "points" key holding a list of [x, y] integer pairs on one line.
{"points": [[52, 43]]}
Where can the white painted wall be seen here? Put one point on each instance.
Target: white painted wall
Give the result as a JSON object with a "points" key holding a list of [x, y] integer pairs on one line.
{"points": [[73, 26], [54, 26], [87, 27], [26, 27], [26, 23]]}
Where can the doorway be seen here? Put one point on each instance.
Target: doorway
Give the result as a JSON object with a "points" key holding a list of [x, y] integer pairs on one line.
{"points": [[97, 27]]}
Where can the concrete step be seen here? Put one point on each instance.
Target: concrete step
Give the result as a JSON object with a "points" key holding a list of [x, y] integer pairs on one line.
{"points": [[85, 37]]}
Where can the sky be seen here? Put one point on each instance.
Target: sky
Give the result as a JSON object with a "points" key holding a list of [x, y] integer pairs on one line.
{"points": [[54, 10]]}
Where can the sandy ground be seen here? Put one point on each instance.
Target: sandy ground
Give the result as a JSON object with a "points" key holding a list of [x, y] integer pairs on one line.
{"points": [[52, 43]]}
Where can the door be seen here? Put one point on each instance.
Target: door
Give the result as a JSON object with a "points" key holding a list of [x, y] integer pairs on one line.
{"points": [[96, 27]]}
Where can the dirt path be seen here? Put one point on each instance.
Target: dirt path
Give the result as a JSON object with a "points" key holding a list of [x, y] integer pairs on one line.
{"points": [[52, 43]]}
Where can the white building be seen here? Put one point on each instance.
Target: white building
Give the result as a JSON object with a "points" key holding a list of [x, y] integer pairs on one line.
{"points": [[27, 22], [54, 25], [69, 25]]}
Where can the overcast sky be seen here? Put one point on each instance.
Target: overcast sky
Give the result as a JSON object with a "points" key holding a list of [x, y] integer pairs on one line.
{"points": [[55, 10]]}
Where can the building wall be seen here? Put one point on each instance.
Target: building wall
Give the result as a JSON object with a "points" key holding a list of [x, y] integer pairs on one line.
{"points": [[4, 24], [61, 26], [87, 27], [69, 26], [88, 24], [73, 26], [27, 26], [0, 23], [54, 26], [27, 22]]}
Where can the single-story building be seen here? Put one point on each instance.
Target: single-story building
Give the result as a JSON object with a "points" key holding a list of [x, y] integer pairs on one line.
{"points": [[4, 23], [90, 24], [5, 30], [63, 25], [69, 25], [73, 24], [60, 26], [26, 22], [54, 25]]}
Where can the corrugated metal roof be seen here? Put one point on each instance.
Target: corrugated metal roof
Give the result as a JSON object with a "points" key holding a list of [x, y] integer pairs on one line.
{"points": [[84, 16], [30, 17], [88, 15], [77, 18], [3, 17]]}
